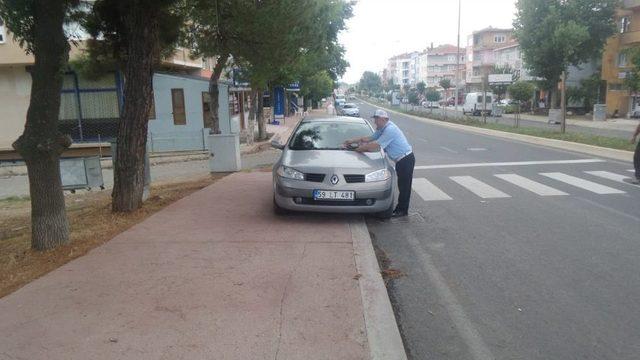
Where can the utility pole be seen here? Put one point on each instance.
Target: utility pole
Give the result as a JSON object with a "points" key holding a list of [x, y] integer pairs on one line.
{"points": [[455, 100], [563, 105], [484, 96]]}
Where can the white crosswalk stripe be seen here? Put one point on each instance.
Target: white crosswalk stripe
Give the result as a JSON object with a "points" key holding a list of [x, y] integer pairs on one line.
{"points": [[479, 188], [428, 191], [583, 184], [533, 186], [609, 176]]}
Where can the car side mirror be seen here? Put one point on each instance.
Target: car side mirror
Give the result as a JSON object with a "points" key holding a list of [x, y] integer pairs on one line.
{"points": [[277, 145]]}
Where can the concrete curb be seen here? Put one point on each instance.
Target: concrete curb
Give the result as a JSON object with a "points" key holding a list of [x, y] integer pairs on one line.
{"points": [[620, 155], [385, 342]]}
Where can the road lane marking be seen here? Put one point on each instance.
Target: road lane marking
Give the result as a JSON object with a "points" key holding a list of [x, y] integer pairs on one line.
{"points": [[428, 191], [479, 188], [609, 176], [447, 149], [515, 163], [530, 185], [631, 170], [583, 184], [463, 325], [476, 149]]}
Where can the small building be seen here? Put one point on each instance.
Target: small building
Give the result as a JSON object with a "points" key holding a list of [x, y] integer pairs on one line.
{"points": [[615, 62], [481, 55], [90, 108]]}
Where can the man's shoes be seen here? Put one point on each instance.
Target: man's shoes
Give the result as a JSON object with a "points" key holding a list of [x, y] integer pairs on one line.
{"points": [[399, 214], [633, 181]]}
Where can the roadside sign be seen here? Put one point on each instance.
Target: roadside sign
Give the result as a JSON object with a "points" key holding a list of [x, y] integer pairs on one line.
{"points": [[294, 86], [278, 102], [500, 78]]}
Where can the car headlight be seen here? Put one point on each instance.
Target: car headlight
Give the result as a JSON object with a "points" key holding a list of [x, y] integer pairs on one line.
{"points": [[380, 175], [289, 173]]}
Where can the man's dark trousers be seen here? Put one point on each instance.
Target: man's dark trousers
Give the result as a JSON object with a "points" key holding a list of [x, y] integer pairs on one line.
{"points": [[404, 170], [636, 161]]}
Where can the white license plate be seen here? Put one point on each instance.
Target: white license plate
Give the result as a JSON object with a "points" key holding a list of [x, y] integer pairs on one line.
{"points": [[334, 195]]}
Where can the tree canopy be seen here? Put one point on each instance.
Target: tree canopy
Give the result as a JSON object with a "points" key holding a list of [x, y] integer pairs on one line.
{"points": [[556, 34], [370, 82]]}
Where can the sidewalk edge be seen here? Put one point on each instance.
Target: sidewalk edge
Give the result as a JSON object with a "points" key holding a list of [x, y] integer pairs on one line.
{"points": [[614, 154], [383, 336]]}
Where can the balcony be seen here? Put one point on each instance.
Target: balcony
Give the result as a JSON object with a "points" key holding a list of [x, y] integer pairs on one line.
{"points": [[630, 38]]}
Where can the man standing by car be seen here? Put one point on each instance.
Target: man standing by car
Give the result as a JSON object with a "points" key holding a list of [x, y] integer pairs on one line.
{"points": [[636, 157], [390, 138]]}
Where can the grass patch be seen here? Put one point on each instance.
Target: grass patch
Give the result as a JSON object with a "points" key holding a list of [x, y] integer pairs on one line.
{"points": [[92, 224], [588, 139], [14, 199]]}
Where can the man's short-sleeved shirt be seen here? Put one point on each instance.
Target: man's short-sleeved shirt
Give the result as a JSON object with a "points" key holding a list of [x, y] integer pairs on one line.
{"points": [[392, 140]]}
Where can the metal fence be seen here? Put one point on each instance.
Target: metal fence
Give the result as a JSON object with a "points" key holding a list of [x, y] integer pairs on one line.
{"points": [[90, 109]]}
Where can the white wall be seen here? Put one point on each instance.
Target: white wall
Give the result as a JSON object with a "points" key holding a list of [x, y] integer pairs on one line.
{"points": [[15, 89]]}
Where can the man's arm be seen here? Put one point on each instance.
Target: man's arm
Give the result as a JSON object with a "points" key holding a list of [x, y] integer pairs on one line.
{"points": [[371, 146]]}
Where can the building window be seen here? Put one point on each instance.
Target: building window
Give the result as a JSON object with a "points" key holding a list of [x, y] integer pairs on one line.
{"points": [[617, 87], [179, 111], [3, 32], [476, 71], [499, 39], [622, 59], [624, 24], [206, 108]]}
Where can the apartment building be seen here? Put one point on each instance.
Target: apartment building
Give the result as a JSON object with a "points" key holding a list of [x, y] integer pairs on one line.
{"points": [[404, 69], [480, 53], [615, 63], [442, 64]]}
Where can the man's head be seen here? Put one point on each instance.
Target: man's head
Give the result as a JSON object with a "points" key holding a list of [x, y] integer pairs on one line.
{"points": [[381, 118]]}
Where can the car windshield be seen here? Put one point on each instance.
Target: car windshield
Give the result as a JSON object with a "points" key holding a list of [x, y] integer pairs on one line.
{"points": [[327, 135], [349, 106]]}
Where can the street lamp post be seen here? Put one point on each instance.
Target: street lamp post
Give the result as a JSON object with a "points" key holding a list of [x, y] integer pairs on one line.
{"points": [[455, 101]]}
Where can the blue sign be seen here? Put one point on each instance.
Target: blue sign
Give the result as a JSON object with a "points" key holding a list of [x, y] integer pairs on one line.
{"points": [[295, 86], [278, 102]]}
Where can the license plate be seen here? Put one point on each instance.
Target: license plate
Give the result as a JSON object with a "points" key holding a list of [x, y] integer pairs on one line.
{"points": [[334, 195]]}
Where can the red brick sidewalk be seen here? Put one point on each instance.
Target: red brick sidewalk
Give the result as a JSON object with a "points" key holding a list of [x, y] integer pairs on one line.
{"points": [[213, 276]]}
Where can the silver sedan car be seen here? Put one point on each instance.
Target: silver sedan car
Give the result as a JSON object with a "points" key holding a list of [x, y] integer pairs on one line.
{"points": [[316, 173]]}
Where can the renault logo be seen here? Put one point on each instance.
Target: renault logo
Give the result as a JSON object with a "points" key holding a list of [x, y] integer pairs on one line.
{"points": [[335, 179]]}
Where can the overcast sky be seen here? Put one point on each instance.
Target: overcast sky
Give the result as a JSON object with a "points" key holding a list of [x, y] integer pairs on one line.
{"points": [[380, 29]]}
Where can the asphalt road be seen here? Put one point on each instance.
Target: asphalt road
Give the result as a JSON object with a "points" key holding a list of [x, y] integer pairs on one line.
{"points": [[531, 258]]}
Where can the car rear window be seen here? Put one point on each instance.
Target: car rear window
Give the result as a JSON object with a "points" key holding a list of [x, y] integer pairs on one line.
{"points": [[327, 135]]}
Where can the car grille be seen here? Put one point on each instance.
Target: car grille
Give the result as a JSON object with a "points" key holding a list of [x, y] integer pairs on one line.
{"points": [[314, 177], [356, 202], [354, 178]]}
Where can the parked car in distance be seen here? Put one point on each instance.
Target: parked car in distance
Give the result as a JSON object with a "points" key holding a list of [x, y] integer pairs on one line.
{"points": [[431, 104], [474, 104], [316, 173], [350, 109]]}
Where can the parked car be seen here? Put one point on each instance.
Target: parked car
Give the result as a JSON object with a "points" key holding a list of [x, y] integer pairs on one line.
{"points": [[431, 104], [316, 173], [350, 109], [473, 104]]}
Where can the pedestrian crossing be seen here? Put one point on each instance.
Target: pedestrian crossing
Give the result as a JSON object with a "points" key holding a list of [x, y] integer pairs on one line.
{"points": [[481, 188]]}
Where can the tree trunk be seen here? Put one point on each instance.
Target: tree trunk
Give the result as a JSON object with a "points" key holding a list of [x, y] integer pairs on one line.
{"points": [[214, 93], [262, 131], [142, 24], [554, 98], [41, 143], [252, 117]]}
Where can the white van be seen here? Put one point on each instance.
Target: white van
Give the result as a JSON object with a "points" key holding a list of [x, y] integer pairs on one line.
{"points": [[473, 104]]}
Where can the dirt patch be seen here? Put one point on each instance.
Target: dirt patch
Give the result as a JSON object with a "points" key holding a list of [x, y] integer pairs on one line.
{"points": [[388, 273], [92, 224]]}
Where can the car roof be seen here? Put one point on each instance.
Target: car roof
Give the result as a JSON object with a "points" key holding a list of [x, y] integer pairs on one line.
{"points": [[344, 119], [350, 104]]}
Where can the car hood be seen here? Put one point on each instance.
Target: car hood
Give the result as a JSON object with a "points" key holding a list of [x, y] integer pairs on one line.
{"points": [[331, 160]]}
